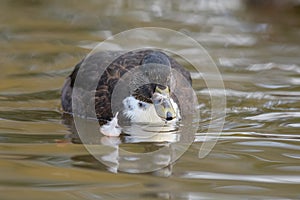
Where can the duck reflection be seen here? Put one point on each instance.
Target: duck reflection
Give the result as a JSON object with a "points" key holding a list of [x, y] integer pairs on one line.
{"points": [[141, 148]]}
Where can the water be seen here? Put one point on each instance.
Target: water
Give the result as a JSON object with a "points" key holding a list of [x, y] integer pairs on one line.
{"points": [[256, 50]]}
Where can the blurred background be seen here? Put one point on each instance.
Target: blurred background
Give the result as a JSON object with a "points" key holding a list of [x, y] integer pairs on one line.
{"points": [[255, 45]]}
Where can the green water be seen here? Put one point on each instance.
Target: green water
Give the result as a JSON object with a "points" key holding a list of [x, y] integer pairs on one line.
{"points": [[256, 50]]}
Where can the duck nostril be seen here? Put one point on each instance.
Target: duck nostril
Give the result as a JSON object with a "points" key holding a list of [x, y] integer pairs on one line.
{"points": [[169, 116]]}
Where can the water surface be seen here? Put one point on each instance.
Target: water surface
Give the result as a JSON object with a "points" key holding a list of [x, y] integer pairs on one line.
{"points": [[257, 51]]}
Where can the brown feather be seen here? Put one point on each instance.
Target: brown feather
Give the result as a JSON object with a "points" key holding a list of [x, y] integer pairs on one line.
{"points": [[110, 78]]}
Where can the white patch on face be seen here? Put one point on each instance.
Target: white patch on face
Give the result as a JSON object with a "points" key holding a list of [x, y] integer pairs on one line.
{"points": [[141, 112]]}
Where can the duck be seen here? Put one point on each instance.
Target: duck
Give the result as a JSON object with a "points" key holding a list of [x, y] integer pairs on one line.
{"points": [[145, 101]]}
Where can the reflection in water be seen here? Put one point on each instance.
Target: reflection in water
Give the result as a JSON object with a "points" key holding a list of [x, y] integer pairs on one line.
{"points": [[141, 149], [113, 156]]}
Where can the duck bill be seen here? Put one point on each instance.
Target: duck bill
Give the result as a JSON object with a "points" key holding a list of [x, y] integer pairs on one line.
{"points": [[164, 108]]}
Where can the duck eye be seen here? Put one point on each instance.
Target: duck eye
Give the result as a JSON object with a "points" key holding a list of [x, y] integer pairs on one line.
{"points": [[141, 104]]}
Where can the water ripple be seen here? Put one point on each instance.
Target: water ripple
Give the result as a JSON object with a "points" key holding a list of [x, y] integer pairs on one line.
{"points": [[42, 95], [270, 66], [30, 115], [287, 179], [273, 116], [273, 144]]}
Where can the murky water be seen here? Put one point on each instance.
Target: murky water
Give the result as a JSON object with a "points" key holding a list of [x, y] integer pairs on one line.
{"points": [[256, 50]]}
